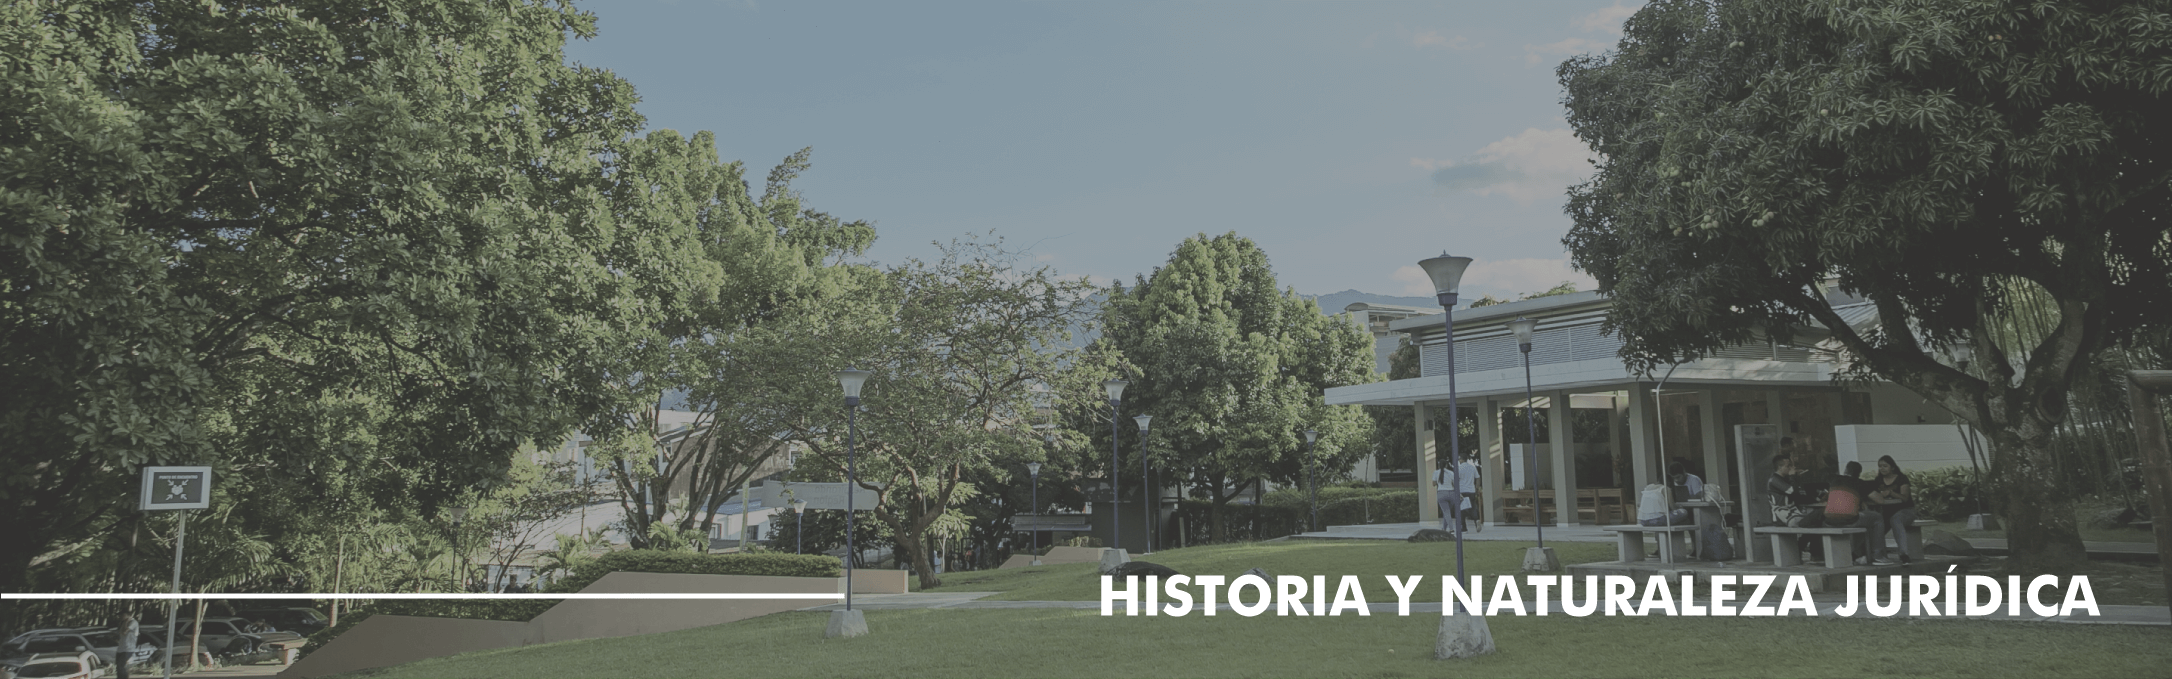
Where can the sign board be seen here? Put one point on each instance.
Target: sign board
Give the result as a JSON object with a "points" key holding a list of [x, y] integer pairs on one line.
{"points": [[176, 488], [817, 495]]}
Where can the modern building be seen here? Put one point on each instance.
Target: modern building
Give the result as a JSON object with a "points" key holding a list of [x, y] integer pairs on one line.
{"points": [[1610, 430]]}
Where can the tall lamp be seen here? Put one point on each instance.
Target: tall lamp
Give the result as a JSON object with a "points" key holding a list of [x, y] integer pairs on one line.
{"points": [[1465, 634], [799, 526], [1312, 437], [460, 562], [1536, 558], [1146, 479], [1116, 507], [850, 622], [1033, 469]]}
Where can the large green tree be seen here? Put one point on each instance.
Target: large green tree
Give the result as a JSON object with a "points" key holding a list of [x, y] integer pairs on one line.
{"points": [[328, 245], [1933, 157], [1233, 371]]}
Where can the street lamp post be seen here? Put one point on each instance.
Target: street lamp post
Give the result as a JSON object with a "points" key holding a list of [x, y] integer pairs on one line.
{"points": [[799, 526], [849, 622], [1116, 507], [460, 556], [1146, 479], [1033, 469], [1461, 635], [1536, 558], [1312, 437]]}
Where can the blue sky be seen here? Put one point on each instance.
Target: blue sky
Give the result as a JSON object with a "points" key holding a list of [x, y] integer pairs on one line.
{"points": [[1348, 139]]}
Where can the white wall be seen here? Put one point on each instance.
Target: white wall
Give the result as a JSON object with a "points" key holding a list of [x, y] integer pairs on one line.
{"points": [[1917, 447]]}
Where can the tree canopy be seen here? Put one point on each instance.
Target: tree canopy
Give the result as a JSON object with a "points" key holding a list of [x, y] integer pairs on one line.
{"points": [[329, 246], [1930, 157]]}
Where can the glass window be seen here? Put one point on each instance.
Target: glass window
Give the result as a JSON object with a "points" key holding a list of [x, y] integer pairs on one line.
{"points": [[50, 644], [103, 639]]}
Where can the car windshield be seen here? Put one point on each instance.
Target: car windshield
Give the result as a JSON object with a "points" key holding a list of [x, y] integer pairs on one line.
{"points": [[103, 639], [50, 669]]}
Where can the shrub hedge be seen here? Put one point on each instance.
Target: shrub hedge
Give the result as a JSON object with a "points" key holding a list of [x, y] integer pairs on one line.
{"points": [[636, 561], [1947, 493]]}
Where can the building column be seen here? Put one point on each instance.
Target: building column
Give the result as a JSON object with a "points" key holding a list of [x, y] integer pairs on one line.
{"points": [[1711, 423], [1560, 440], [1643, 445], [1428, 509], [1495, 448]]}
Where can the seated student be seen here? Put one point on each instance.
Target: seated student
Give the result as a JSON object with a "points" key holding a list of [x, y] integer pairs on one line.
{"points": [[1844, 509], [1792, 503], [1895, 502], [1652, 508], [1686, 486]]}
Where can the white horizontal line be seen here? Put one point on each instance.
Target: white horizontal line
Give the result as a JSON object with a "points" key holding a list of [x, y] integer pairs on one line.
{"points": [[434, 595]]}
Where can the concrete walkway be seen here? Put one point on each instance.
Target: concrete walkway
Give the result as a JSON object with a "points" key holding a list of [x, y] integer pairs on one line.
{"points": [[2113, 615]]}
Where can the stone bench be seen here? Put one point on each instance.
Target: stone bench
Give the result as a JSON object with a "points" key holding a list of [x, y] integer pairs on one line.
{"points": [[1838, 552], [1630, 540], [1912, 540]]}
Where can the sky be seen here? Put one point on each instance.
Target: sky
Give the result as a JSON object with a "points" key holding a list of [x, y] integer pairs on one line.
{"points": [[1348, 140]]}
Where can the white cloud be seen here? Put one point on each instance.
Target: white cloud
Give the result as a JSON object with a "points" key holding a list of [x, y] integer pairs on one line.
{"points": [[1432, 38], [1510, 278], [1535, 54], [1606, 20], [1532, 165]]}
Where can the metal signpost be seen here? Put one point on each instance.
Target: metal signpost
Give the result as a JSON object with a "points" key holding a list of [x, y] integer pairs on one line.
{"points": [[175, 488]]}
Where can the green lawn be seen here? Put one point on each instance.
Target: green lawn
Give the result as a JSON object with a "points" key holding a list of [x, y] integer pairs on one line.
{"points": [[1071, 643], [2089, 533], [1368, 559]]}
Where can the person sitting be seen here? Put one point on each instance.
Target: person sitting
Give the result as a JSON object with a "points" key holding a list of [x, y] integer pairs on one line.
{"points": [[1652, 508], [1844, 509], [1892, 496]]}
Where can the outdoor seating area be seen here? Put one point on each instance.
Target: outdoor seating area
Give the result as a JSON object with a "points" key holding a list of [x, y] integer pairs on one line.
{"points": [[1593, 506], [1673, 541], [1839, 544]]}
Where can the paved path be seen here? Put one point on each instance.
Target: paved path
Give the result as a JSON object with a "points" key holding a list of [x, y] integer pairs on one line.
{"points": [[2113, 615]]}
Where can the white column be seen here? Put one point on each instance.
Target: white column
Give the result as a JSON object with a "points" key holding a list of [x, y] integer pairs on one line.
{"points": [[1428, 509], [1711, 420], [1560, 441], [1489, 441], [1643, 445]]}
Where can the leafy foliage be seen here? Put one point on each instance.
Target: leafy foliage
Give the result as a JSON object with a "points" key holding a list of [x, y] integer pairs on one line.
{"points": [[1761, 157]]}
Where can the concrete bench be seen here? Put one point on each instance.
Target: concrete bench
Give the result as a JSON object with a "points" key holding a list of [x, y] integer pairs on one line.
{"points": [[1630, 540], [1912, 540], [1838, 552]]}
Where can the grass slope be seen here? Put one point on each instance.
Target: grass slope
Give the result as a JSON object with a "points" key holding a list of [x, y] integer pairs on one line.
{"points": [[1070, 643]]}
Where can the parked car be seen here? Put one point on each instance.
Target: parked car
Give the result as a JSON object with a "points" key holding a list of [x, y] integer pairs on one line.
{"points": [[296, 619], [106, 641], [221, 636], [84, 665], [18, 651]]}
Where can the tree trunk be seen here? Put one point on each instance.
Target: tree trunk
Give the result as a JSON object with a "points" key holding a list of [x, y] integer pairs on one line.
{"points": [[196, 634], [2026, 492]]}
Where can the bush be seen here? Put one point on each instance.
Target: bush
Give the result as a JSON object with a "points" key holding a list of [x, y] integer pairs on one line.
{"points": [[1243, 522], [636, 561], [1297, 497], [1947, 493]]}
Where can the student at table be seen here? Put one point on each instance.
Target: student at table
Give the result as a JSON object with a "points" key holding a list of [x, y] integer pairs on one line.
{"points": [[1844, 508], [1687, 486], [1894, 499], [1792, 500]]}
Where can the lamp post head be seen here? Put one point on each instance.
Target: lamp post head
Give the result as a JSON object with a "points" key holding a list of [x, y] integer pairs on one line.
{"points": [[852, 379], [1142, 420], [1523, 328], [1034, 468], [459, 514], [1447, 275], [799, 505], [1962, 352], [1312, 436], [1116, 389]]}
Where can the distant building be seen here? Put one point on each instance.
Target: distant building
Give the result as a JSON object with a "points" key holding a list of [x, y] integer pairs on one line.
{"points": [[1374, 319]]}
